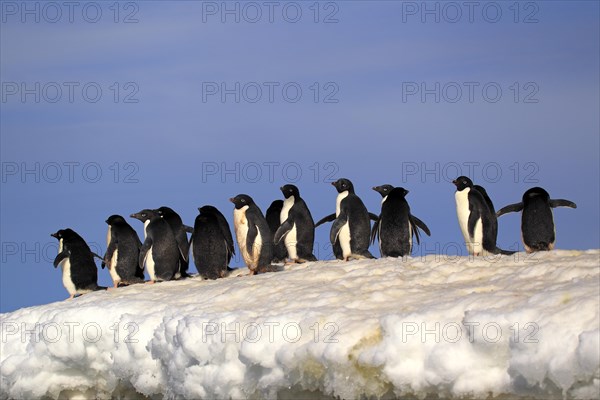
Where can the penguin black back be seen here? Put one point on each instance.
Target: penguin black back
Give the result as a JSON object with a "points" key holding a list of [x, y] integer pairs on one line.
{"points": [[122, 252], [396, 225], [159, 251], [297, 229], [179, 231], [212, 243], [80, 274], [272, 216], [538, 231]]}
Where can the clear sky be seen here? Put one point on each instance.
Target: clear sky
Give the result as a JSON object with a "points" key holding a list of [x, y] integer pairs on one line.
{"points": [[109, 110]]}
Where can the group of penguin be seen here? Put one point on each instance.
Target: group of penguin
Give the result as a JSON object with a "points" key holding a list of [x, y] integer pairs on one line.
{"points": [[287, 233]]}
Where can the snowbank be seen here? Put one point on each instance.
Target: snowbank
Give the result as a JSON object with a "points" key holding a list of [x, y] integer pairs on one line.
{"points": [[524, 325]]}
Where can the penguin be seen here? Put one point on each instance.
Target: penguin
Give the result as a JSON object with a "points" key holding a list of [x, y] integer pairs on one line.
{"points": [[80, 274], [159, 252], [179, 230], [253, 234], [475, 218], [297, 226], [122, 252], [212, 243], [273, 219], [351, 229], [538, 232], [396, 225]]}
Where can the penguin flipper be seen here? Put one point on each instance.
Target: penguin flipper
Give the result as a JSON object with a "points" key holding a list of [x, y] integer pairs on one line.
{"points": [[60, 257], [224, 226], [337, 226], [283, 230], [328, 218], [374, 231], [474, 216], [562, 203], [510, 208], [250, 238], [373, 217], [109, 253], [144, 252], [419, 224]]}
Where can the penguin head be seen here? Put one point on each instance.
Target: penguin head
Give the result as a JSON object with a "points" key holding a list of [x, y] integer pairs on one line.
{"points": [[398, 192], [343, 185], [462, 182], [535, 192], [145, 215], [164, 211], [115, 220], [207, 209], [383, 190], [64, 234], [290, 190], [241, 200]]}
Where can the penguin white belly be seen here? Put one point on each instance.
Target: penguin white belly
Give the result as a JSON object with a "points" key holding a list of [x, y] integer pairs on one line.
{"points": [[477, 240], [108, 236], [256, 248], [344, 240], [240, 224], [146, 223], [410, 237], [285, 210], [291, 239], [463, 212], [379, 234], [113, 267], [150, 265], [65, 265], [338, 201]]}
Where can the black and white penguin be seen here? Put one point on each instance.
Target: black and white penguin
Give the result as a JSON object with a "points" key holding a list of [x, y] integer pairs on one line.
{"points": [[212, 243], [159, 252], [273, 217], [254, 237], [351, 229], [538, 231], [80, 274], [477, 222], [179, 230], [122, 252], [396, 225], [297, 226]]}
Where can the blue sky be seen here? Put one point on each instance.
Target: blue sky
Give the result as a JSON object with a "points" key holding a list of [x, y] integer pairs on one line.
{"points": [[358, 115]]}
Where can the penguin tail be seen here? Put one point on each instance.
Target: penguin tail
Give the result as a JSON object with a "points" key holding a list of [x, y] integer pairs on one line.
{"points": [[367, 254], [100, 288], [268, 268], [498, 250]]}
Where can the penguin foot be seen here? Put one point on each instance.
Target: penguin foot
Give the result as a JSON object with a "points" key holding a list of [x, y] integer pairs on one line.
{"points": [[150, 282]]}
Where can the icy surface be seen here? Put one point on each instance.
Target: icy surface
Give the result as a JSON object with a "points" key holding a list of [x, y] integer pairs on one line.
{"points": [[453, 327]]}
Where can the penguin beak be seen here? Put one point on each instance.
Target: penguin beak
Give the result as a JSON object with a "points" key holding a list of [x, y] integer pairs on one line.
{"points": [[199, 209], [375, 188], [281, 188], [231, 199], [54, 235], [455, 181], [332, 183]]}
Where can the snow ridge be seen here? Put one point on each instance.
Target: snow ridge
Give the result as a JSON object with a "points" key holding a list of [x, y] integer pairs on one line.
{"points": [[521, 325]]}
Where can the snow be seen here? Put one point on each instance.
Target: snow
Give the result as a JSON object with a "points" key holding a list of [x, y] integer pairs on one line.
{"points": [[511, 326]]}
